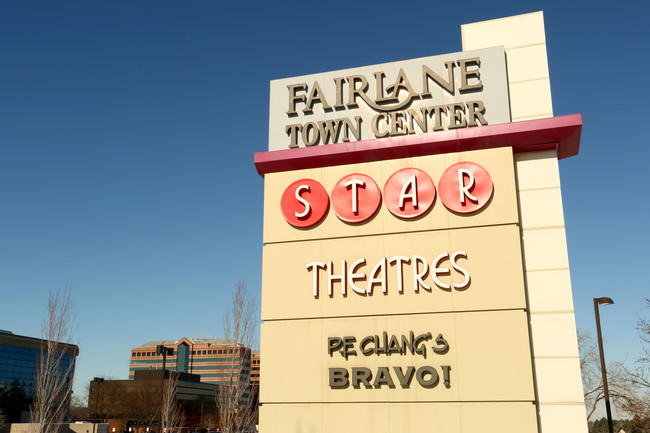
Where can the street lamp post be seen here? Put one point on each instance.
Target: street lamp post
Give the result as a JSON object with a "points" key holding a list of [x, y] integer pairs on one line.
{"points": [[97, 381], [164, 351], [603, 301]]}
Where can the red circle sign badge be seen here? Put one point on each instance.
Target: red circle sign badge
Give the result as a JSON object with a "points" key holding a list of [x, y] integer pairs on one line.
{"points": [[304, 203], [356, 198], [465, 187], [409, 193]]}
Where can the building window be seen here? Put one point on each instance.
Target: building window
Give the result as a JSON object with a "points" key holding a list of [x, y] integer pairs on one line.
{"points": [[138, 354], [182, 359], [204, 352]]}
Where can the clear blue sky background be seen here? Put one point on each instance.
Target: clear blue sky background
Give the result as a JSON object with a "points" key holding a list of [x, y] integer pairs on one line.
{"points": [[128, 128]]}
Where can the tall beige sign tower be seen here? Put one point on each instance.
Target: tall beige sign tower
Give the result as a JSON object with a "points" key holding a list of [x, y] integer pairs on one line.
{"points": [[415, 272]]}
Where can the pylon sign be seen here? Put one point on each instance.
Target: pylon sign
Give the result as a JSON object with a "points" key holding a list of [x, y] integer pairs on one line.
{"points": [[394, 295]]}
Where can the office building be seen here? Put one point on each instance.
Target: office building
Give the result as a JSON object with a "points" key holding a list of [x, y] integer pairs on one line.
{"points": [[255, 368], [134, 404], [211, 358], [19, 358]]}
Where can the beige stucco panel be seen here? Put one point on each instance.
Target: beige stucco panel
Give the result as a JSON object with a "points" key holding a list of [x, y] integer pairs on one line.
{"points": [[541, 208], [502, 209], [399, 418], [531, 99], [563, 418], [554, 335], [549, 291], [545, 249], [515, 31], [527, 63], [558, 380], [493, 263], [489, 356], [537, 170], [524, 39]]}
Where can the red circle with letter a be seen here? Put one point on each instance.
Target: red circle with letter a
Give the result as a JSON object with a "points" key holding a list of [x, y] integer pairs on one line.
{"points": [[409, 193], [356, 198], [465, 187], [304, 203]]}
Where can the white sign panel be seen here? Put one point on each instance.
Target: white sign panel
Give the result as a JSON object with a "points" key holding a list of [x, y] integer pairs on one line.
{"points": [[430, 94]]}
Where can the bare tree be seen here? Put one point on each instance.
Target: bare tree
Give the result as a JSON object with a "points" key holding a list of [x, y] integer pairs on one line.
{"points": [[637, 379], [592, 384], [210, 422], [143, 405], [79, 410], [643, 327], [53, 381], [236, 407], [172, 416], [105, 402], [626, 386]]}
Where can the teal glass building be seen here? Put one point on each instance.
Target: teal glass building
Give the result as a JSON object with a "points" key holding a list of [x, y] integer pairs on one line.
{"points": [[19, 359]]}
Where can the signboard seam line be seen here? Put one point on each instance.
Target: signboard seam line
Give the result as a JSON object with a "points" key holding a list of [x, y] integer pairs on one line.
{"points": [[547, 269], [518, 47], [447, 229], [529, 80], [397, 314]]}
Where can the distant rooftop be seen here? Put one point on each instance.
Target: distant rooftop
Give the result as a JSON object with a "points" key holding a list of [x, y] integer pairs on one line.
{"points": [[11, 339], [203, 340]]}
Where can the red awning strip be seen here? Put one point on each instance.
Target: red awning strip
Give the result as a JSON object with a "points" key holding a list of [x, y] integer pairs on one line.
{"points": [[561, 133]]}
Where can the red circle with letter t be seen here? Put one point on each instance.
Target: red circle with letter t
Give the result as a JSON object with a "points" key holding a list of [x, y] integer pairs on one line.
{"points": [[465, 187], [356, 198], [304, 203]]}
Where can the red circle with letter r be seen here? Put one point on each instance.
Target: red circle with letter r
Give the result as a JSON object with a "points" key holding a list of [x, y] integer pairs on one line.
{"points": [[465, 187]]}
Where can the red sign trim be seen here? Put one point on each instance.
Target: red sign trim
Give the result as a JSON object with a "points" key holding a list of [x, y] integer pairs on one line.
{"points": [[561, 133]]}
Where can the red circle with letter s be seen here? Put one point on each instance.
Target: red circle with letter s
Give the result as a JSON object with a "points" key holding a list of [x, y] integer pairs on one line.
{"points": [[304, 203], [465, 187], [356, 198], [409, 193]]}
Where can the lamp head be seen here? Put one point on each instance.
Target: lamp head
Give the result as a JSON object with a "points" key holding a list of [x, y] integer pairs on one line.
{"points": [[604, 301], [162, 350]]}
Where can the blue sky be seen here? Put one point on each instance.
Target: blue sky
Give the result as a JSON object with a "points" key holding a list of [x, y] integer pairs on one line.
{"points": [[127, 134]]}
